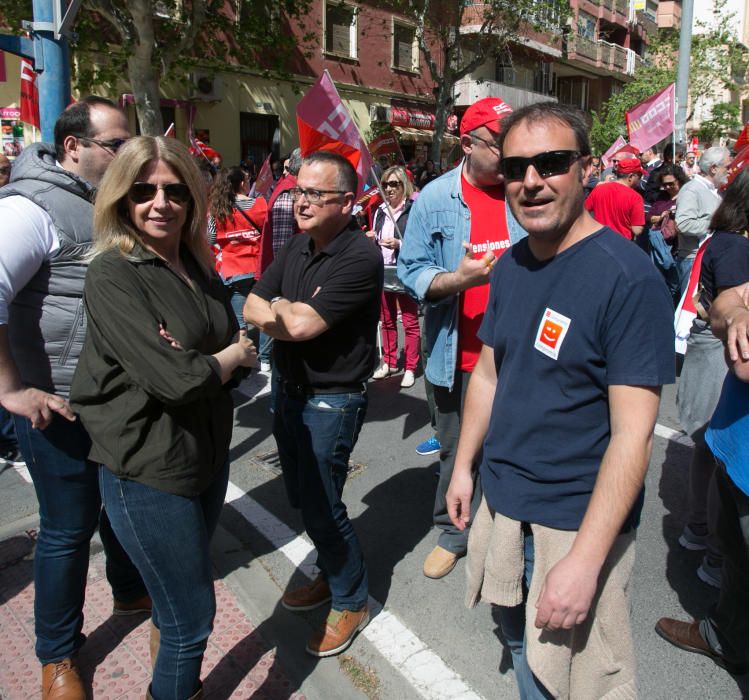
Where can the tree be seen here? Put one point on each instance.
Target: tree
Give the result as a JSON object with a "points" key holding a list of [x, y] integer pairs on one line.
{"points": [[455, 37], [150, 41], [725, 118], [717, 64]]}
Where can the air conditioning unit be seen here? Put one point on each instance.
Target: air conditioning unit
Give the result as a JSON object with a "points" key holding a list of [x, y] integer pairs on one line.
{"points": [[206, 86]]}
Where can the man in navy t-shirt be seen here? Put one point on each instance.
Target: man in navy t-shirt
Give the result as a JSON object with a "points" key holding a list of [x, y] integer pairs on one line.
{"points": [[578, 340]]}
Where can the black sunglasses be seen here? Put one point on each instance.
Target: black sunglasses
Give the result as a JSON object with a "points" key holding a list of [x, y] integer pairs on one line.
{"points": [[113, 145], [394, 184], [546, 164], [141, 192]]}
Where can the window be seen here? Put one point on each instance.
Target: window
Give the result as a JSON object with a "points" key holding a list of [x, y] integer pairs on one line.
{"points": [[586, 26], [405, 48], [574, 91], [340, 29]]}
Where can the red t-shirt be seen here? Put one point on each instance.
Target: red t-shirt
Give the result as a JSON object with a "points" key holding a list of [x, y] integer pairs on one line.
{"points": [[488, 233], [617, 206]]}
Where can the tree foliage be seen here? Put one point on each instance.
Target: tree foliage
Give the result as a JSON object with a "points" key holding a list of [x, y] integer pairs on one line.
{"points": [[151, 41], [717, 63], [725, 118], [455, 37]]}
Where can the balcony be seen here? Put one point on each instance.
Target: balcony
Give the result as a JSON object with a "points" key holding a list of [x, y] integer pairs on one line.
{"points": [[468, 91], [585, 48]]}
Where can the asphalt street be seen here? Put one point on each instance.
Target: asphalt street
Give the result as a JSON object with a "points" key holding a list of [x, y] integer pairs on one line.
{"points": [[425, 644]]}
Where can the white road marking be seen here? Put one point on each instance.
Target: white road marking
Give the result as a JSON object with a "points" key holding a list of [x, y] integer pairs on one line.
{"points": [[429, 675], [673, 435], [24, 473]]}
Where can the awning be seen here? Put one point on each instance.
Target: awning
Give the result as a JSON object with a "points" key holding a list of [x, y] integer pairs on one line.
{"points": [[409, 135]]}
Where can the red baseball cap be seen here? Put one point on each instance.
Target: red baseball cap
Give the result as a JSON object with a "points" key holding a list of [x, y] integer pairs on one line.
{"points": [[487, 112], [629, 165], [626, 149]]}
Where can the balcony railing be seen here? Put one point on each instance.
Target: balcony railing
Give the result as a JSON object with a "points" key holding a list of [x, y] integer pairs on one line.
{"points": [[608, 4], [586, 47]]}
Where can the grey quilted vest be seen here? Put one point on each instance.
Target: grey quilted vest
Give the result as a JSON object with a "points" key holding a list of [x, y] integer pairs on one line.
{"points": [[46, 324]]}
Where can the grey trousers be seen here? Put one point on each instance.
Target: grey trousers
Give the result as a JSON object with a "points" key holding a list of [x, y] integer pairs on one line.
{"points": [[449, 413], [726, 629]]}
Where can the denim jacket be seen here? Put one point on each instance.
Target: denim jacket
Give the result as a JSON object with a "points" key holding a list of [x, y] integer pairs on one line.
{"points": [[439, 223]]}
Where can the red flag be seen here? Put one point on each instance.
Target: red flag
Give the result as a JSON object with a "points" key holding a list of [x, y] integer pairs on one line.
{"points": [[384, 145], [325, 124], [264, 182], [29, 95], [740, 161], [651, 120], [686, 312], [615, 148], [199, 148], [743, 140]]}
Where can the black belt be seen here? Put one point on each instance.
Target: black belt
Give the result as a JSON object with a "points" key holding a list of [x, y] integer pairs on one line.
{"points": [[309, 390]]}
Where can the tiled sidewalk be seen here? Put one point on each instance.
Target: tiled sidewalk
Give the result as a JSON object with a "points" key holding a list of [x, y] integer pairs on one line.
{"points": [[115, 659]]}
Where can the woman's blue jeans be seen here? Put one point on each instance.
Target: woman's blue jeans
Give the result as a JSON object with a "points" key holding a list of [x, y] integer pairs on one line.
{"points": [[168, 537], [67, 489], [315, 435]]}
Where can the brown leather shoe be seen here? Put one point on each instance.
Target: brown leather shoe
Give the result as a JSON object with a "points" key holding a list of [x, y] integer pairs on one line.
{"points": [[686, 635], [61, 681], [439, 563], [338, 632], [134, 607], [308, 597]]}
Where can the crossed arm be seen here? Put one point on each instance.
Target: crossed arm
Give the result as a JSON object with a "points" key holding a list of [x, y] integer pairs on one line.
{"points": [[570, 585], [283, 319]]}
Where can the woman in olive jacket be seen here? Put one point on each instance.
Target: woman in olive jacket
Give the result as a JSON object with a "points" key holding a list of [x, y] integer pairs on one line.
{"points": [[152, 389]]}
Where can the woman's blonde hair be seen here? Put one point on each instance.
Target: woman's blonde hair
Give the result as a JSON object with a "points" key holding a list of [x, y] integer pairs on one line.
{"points": [[399, 174], [112, 225]]}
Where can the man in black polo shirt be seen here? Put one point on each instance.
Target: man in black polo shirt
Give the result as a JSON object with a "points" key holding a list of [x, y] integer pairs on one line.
{"points": [[320, 300]]}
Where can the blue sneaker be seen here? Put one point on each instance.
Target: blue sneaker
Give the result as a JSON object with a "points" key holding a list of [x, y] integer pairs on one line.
{"points": [[428, 447]]}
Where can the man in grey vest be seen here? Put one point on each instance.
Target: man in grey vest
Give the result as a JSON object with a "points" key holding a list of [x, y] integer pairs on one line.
{"points": [[47, 216]]}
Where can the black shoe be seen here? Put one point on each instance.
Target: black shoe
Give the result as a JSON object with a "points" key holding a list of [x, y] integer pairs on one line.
{"points": [[12, 457]]}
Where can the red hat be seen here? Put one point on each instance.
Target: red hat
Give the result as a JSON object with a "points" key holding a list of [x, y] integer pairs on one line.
{"points": [[487, 112], [627, 166], [627, 149]]}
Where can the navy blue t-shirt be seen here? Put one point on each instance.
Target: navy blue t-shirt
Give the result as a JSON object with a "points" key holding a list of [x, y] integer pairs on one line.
{"points": [[563, 330], [724, 264]]}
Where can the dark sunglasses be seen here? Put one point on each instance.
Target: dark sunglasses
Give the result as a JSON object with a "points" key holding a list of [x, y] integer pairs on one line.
{"points": [[4, 169], [392, 183], [141, 192], [546, 164], [113, 145]]}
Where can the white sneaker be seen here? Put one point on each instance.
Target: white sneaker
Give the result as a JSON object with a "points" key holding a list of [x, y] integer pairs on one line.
{"points": [[408, 379], [264, 366], [383, 371]]}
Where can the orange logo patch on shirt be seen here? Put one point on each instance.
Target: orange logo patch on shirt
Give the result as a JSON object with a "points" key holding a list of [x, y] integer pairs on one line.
{"points": [[551, 333]]}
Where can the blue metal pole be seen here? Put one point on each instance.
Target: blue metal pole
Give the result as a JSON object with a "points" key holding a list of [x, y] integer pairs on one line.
{"points": [[53, 57]]}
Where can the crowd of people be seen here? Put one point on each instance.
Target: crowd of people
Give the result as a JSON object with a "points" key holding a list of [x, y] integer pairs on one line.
{"points": [[536, 290]]}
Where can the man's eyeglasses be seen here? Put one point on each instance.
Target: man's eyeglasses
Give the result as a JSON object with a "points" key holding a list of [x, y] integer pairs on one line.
{"points": [[392, 184], [546, 164], [141, 192], [311, 195], [493, 145], [112, 145]]}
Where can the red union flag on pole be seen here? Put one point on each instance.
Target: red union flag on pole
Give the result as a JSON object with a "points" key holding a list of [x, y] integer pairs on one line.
{"points": [[29, 95], [384, 145], [613, 150], [652, 120], [264, 182], [325, 124]]}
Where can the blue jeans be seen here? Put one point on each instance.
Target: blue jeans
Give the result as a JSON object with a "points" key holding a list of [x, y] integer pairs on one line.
{"points": [[512, 623], [265, 347], [315, 436], [240, 287], [726, 628], [168, 538], [7, 431], [67, 489]]}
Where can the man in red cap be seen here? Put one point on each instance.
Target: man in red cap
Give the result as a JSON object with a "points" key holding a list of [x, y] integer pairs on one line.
{"points": [[618, 204], [458, 228]]}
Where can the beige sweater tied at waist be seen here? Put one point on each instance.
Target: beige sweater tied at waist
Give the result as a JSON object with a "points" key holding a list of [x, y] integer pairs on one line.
{"points": [[592, 661]]}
